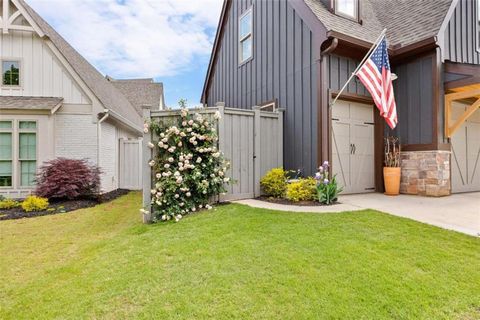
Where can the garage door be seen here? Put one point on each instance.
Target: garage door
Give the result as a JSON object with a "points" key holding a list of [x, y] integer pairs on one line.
{"points": [[353, 146], [466, 152]]}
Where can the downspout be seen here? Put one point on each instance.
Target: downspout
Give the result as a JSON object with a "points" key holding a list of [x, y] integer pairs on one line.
{"points": [[323, 152], [106, 114]]}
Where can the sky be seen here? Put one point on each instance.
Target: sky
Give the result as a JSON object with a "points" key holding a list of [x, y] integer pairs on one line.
{"points": [[168, 40]]}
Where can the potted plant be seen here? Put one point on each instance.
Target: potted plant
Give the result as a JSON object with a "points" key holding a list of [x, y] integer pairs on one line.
{"points": [[391, 170]]}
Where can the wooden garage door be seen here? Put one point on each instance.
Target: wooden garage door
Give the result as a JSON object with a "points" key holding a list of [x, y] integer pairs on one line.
{"points": [[466, 152], [353, 146]]}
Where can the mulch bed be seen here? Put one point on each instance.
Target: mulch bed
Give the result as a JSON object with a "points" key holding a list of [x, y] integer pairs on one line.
{"points": [[293, 203], [62, 206]]}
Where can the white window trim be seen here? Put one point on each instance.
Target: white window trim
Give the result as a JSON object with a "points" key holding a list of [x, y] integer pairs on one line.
{"points": [[20, 68], [18, 174], [477, 9], [346, 15], [241, 39], [12, 131], [16, 167]]}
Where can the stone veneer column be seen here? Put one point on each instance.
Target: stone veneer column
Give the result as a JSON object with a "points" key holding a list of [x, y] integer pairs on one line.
{"points": [[425, 173]]}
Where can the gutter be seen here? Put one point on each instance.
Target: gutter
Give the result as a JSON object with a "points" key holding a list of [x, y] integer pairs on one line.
{"points": [[125, 121]]}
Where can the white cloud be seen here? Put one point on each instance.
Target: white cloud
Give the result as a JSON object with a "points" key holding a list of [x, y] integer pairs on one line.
{"points": [[135, 38]]}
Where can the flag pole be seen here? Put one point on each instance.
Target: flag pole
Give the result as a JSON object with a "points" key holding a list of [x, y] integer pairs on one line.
{"points": [[374, 46]]}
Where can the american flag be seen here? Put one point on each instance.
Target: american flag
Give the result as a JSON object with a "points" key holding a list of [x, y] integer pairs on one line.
{"points": [[376, 75]]}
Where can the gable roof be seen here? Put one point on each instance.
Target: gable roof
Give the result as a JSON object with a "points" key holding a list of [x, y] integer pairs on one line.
{"points": [[141, 92], [406, 21], [106, 93]]}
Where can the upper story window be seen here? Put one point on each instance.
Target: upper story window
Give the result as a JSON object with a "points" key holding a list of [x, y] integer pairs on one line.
{"points": [[478, 25], [10, 73], [347, 8], [245, 36]]}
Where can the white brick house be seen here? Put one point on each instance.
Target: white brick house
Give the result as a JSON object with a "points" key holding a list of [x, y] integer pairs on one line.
{"points": [[54, 103]]}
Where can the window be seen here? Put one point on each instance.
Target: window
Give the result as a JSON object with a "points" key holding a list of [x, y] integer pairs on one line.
{"points": [[6, 153], [347, 8], [11, 73], [245, 36], [478, 25], [27, 152]]}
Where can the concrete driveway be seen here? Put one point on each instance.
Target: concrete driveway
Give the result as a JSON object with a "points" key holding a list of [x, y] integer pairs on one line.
{"points": [[459, 212]]}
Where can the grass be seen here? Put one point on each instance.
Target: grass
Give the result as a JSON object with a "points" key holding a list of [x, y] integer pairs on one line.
{"points": [[235, 262]]}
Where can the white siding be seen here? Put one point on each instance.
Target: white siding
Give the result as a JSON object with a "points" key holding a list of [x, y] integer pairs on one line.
{"points": [[75, 137], [109, 156], [40, 71]]}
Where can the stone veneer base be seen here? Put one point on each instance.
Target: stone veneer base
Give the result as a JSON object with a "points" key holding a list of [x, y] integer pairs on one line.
{"points": [[425, 173]]}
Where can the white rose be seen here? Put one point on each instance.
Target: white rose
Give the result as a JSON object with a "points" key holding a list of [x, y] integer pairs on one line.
{"points": [[176, 196], [179, 144], [217, 115], [158, 175], [188, 194], [226, 179], [151, 145], [167, 165], [145, 130], [170, 159], [153, 191], [199, 160], [162, 134], [151, 163], [190, 122], [176, 174]]}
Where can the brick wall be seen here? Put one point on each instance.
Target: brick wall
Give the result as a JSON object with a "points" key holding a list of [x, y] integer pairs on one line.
{"points": [[75, 137], [425, 173]]}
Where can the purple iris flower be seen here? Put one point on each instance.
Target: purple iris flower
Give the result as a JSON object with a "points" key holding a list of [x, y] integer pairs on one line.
{"points": [[325, 165], [318, 176], [325, 181]]}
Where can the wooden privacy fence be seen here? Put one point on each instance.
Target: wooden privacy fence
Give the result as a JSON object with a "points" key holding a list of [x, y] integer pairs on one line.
{"points": [[252, 140]]}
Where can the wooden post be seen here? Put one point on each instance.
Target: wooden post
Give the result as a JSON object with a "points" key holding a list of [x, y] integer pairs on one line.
{"points": [[221, 132], [147, 170], [256, 152]]}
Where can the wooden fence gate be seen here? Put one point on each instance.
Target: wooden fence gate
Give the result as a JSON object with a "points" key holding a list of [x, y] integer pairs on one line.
{"points": [[252, 140], [130, 164]]}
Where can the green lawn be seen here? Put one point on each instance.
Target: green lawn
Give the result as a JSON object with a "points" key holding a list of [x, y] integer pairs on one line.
{"points": [[235, 262]]}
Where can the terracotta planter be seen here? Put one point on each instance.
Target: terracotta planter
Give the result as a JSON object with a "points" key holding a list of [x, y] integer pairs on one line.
{"points": [[391, 178]]}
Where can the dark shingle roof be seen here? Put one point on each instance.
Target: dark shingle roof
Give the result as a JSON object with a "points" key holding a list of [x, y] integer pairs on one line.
{"points": [[406, 21], [31, 103], [141, 92], [108, 95]]}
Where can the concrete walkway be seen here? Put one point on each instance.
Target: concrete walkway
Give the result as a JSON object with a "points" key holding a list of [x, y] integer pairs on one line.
{"points": [[459, 212]]}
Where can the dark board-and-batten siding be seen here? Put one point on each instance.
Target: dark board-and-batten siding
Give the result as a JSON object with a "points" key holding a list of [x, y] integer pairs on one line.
{"points": [[415, 101], [461, 34], [339, 69], [283, 68]]}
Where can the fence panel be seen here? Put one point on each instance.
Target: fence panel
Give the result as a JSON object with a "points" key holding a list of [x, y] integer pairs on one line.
{"points": [[130, 166], [252, 141]]}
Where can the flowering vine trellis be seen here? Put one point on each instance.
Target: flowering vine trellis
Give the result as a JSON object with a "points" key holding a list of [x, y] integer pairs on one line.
{"points": [[188, 167]]}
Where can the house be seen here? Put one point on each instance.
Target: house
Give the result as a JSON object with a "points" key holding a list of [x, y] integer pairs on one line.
{"points": [[54, 103], [297, 54]]}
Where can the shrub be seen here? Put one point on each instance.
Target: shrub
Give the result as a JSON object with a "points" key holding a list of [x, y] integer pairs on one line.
{"points": [[34, 203], [274, 182], [188, 168], [301, 190], [68, 178], [8, 204], [327, 189]]}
